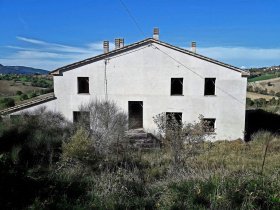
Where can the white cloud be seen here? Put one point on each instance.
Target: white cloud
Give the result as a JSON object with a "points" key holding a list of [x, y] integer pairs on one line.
{"points": [[243, 56], [62, 48], [48, 55]]}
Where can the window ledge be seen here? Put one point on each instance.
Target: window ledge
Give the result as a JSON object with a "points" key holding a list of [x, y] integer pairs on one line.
{"points": [[83, 93], [177, 95], [210, 95]]}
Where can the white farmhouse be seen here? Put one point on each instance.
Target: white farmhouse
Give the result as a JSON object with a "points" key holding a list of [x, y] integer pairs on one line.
{"points": [[151, 77]]}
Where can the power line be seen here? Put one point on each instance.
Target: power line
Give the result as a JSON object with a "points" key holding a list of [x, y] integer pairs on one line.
{"points": [[132, 17], [155, 47]]}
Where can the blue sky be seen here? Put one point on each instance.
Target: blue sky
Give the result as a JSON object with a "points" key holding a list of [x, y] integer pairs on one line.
{"points": [[51, 33]]}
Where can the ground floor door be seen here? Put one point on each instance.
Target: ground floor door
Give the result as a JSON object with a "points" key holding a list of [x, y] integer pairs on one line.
{"points": [[135, 114]]}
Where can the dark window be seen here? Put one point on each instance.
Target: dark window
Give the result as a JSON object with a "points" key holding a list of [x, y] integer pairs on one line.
{"points": [[209, 124], [173, 118], [209, 87], [81, 117], [83, 85], [176, 86]]}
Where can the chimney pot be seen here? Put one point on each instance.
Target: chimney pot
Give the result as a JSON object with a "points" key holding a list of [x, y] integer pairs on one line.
{"points": [[121, 42], [117, 43], [156, 33], [106, 46], [194, 47]]}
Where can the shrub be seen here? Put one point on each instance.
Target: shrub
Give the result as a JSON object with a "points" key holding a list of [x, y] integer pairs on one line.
{"points": [[19, 92], [107, 125], [33, 94], [178, 134], [23, 97], [8, 102], [35, 138], [249, 102], [79, 147]]}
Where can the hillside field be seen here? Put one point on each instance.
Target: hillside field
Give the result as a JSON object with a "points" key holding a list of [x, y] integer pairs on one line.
{"points": [[10, 88], [16, 89]]}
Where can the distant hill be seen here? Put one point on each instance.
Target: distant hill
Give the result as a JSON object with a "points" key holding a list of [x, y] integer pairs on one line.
{"points": [[21, 70], [270, 68]]}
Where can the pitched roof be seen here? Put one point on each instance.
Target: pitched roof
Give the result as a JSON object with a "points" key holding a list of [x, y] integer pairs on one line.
{"points": [[35, 101], [135, 45]]}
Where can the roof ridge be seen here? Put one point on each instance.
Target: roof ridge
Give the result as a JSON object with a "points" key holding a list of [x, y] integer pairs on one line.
{"points": [[58, 71]]}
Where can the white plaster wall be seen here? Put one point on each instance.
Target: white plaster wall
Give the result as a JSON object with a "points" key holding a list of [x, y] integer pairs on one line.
{"points": [[145, 75]]}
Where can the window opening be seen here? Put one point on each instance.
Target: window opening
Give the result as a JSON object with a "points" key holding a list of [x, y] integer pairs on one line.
{"points": [[176, 86]]}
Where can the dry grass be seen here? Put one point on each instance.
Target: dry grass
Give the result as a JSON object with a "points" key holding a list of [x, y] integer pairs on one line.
{"points": [[254, 96], [225, 157], [9, 88], [275, 84]]}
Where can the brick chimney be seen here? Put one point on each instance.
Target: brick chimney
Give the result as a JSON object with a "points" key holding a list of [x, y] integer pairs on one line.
{"points": [[194, 47], [156, 33], [106, 46]]}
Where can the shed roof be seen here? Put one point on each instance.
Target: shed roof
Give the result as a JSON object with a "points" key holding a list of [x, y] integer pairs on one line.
{"points": [[135, 45]]}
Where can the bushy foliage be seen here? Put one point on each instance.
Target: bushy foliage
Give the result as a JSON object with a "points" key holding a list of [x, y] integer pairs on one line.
{"points": [[79, 147], [23, 97], [19, 93], [261, 102], [176, 135], [34, 138], [106, 123], [7, 102]]}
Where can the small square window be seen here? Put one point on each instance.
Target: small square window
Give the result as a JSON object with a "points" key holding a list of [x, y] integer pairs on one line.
{"points": [[176, 86], [174, 117], [209, 124], [209, 86], [83, 85], [82, 117]]}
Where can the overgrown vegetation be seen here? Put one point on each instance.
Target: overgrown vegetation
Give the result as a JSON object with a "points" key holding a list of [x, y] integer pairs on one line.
{"points": [[261, 102], [49, 163]]}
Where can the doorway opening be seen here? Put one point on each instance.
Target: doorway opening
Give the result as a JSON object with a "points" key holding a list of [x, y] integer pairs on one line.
{"points": [[135, 114]]}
